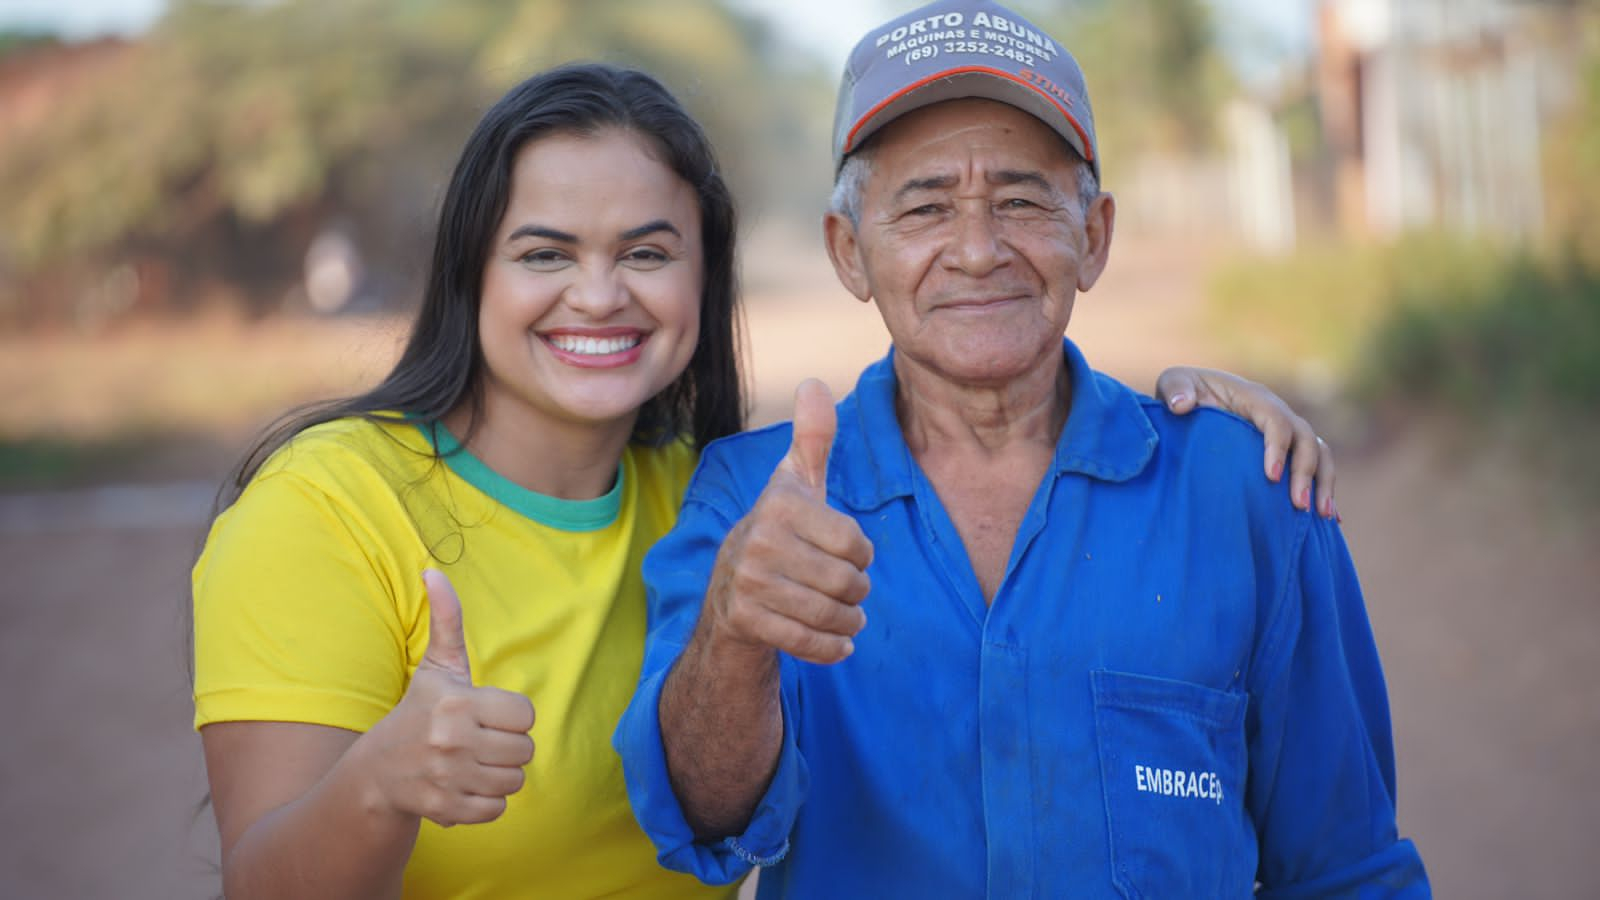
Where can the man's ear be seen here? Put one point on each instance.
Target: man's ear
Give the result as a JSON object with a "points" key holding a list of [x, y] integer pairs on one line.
{"points": [[1098, 225], [844, 249]]}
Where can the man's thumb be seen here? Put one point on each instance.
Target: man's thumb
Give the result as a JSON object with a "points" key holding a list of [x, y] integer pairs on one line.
{"points": [[447, 641], [814, 424]]}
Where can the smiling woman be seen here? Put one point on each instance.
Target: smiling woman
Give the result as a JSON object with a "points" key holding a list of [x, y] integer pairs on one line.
{"points": [[574, 347], [590, 304]]}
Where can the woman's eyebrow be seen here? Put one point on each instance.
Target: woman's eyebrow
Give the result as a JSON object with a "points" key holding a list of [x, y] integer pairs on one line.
{"points": [[541, 231], [649, 228]]}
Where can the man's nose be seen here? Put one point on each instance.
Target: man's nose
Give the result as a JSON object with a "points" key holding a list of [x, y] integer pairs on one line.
{"points": [[976, 248], [598, 292]]}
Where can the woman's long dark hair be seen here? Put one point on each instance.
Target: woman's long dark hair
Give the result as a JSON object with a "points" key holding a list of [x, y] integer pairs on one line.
{"points": [[442, 363]]}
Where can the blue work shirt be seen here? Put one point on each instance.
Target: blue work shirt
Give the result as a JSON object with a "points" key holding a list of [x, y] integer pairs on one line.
{"points": [[1174, 693]]}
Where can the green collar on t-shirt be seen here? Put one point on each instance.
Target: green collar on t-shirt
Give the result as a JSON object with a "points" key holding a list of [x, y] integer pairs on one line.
{"points": [[556, 512]]}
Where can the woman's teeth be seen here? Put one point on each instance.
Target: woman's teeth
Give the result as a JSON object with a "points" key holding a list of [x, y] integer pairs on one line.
{"points": [[592, 346]]}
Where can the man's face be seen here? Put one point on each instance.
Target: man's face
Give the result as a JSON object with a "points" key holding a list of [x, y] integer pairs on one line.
{"points": [[973, 240]]}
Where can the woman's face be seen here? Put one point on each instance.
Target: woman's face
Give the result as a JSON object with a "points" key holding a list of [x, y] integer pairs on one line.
{"points": [[591, 291]]}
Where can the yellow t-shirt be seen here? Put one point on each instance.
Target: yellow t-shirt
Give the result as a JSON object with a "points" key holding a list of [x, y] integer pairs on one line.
{"points": [[310, 607]]}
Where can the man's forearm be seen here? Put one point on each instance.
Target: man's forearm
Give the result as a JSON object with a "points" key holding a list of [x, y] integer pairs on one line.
{"points": [[722, 731]]}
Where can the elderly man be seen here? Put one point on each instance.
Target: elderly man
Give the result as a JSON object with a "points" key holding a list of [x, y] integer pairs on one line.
{"points": [[1004, 627]]}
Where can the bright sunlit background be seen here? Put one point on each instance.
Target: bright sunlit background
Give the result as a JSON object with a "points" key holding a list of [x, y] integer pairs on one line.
{"points": [[1389, 210]]}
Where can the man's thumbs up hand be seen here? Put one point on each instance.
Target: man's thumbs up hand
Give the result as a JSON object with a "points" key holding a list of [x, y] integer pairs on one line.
{"points": [[814, 425], [792, 574], [449, 751]]}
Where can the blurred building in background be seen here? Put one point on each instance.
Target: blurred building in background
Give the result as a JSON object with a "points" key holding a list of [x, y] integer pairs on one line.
{"points": [[1434, 111], [1413, 114], [1242, 190]]}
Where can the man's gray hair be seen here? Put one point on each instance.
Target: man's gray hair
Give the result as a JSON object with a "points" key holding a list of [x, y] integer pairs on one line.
{"points": [[851, 183]]}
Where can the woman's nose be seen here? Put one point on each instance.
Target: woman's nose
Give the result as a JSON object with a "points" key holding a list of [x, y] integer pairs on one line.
{"points": [[598, 292]]}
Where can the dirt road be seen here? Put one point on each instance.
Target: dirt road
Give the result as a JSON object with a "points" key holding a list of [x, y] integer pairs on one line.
{"points": [[1484, 602]]}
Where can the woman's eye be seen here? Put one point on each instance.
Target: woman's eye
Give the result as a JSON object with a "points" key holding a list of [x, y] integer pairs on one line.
{"points": [[643, 257], [544, 259]]}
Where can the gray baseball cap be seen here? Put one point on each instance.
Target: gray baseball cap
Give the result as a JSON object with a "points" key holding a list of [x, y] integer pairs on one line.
{"points": [[954, 49]]}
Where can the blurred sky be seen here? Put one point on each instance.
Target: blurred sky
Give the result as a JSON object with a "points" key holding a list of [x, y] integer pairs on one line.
{"points": [[79, 19], [1260, 35]]}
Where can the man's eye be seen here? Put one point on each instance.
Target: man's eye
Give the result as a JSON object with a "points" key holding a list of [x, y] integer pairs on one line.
{"points": [[926, 209], [1018, 203]]}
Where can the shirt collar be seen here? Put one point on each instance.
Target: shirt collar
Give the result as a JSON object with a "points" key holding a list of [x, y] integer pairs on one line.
{"points": [[1108, 435]]}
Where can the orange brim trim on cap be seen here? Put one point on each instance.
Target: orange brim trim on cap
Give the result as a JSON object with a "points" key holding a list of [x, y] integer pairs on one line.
{"points": [[1083, 137]]}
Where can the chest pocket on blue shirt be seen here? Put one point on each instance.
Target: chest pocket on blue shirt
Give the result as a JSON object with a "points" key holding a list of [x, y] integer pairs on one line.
{"points": [[1172, 765]]}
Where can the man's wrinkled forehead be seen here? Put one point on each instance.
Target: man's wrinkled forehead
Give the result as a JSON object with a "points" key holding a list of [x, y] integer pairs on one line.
{"points": [[955, 134], [990, 177]]}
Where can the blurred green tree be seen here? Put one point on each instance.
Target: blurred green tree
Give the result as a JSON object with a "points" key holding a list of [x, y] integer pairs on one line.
{"points": [[1155, 68], [14, 40], [219, 146], [1573, 176]]}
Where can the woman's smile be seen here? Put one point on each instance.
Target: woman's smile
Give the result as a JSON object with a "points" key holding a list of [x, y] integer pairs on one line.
{"points": [[604, 348]]}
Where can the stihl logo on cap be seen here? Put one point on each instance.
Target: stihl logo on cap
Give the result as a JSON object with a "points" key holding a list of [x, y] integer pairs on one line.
{"points": [[1046, 85]]}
